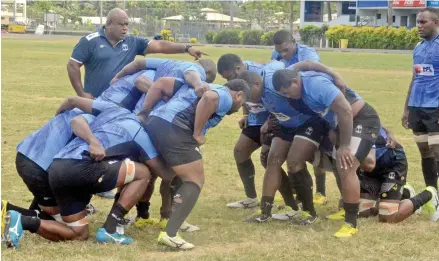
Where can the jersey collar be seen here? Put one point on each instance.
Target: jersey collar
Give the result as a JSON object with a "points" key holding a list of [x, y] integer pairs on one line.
{"points": [[102, 34]]}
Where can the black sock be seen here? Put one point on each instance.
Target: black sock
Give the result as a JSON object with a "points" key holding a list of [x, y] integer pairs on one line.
{"points": [[23, 211], [116, 215], [246, 171], [293, 182], [175, 185], [304, 183], [340, 203], [429, 170], [351, 210], [42, 215], [142, 209], [266, 205], [321, 183], [405, 194], [184, 201], [286, 191], [420, 199], [116, 198], [31, 224]]}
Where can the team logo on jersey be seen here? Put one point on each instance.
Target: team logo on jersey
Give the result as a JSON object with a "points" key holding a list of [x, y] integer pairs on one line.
{"points": [[281, 117], [423, 69], [124, 47], [392, 175], [359, 129], [309, 131]]}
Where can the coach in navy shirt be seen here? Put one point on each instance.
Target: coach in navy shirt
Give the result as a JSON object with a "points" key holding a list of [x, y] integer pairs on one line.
{"points": [[105, 52]]}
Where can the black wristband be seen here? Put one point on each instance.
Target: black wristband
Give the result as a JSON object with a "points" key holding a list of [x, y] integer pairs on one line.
{"points": [[186, 50]]}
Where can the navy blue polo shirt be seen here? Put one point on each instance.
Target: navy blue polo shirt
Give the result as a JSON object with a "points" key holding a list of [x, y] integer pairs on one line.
{"points": [[102, 61]]}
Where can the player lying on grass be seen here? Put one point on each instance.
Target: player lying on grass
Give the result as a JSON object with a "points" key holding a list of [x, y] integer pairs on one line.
{"points": [[177, 130]]}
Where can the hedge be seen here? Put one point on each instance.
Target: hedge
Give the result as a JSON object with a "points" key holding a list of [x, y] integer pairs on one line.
{"points": [[374, 37], [227, 37], [251, 37]]}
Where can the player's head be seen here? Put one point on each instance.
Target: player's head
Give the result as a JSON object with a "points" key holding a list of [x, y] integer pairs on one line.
{"points": [[116, 26], [284, 43], [240, 93], [288, 83], [210, 68], [230, 65], [254, 81], [428, 22]]}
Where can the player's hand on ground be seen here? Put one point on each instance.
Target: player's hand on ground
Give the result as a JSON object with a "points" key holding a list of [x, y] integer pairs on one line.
{"points": [[196, 53], [243, 122], [202, 89], [97, 151], [405, 119], [345, 159], [200, 139]]}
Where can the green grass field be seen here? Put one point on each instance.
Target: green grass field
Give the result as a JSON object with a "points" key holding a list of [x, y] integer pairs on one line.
{"points": [[34, 81]]}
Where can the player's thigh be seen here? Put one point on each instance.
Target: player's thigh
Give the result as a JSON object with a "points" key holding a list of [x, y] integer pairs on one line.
{"points": [[278, 152], [247, 143], [193, 171]]}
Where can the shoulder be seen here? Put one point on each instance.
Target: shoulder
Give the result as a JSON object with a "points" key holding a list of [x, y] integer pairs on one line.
{"points": [[92, 36]]}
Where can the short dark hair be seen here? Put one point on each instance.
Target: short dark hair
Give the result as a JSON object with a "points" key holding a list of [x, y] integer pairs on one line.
{"points": [[432, 10], [249, 77], [228, 62], [282, 36], [239, 85], [283, 78], [210, 68]]}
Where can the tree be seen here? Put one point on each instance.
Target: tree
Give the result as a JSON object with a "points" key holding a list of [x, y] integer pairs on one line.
{"points": [[328, 6], [389, 14]]}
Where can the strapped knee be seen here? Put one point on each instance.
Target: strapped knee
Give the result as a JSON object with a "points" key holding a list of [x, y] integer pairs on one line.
{"points": [[420, 138], [130, 171], [388, 208], [366, 204], [79, 223]]}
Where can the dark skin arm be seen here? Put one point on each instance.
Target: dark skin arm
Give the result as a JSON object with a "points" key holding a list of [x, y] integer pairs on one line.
{"points": [[405, 115], [206, 107], [81, 129], [131, 68], [163, 87], [74, 72], [143, 84], [166, 47], [318, 67], [84, 104], [193, 79], [343, 110]]}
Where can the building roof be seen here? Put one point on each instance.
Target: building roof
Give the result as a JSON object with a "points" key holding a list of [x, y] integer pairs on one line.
{"points": [[212, 15]]}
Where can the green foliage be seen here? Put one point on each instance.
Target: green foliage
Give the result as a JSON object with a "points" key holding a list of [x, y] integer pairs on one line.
{"points": [[310, 33], [267, 38], [209, 36], [227, 37], [251, 37], [166, 34], [134, 32], [374, 37], [193, 40]]}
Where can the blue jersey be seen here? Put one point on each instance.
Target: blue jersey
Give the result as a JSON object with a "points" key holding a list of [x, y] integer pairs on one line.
{"points": [[139, 105], [42, 145], [174, 69], [180, 110], [288, 112], [102, 61], [123, 92], [118, 130], [386, 158], [425, 87], [302, 53], [257, 112]]}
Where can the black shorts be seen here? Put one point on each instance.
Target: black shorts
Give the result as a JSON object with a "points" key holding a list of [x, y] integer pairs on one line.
{"points": [[366, 126], [176, 145], [386, 182], [253, 133], [424, 120], [36, 180], [314, 130], [73, 182]]}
